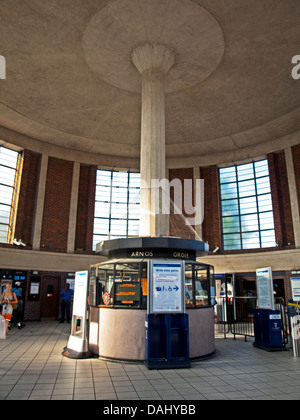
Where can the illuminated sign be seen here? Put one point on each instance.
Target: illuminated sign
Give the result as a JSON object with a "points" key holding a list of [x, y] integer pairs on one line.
{"points": [[127, 293], [159, 253]]}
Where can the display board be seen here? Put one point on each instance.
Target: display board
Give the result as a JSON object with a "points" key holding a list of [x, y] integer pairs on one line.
{"points": [[166, 291], [80, 293], [295, 286], [77, 340], [127, 292], [264, 285]]}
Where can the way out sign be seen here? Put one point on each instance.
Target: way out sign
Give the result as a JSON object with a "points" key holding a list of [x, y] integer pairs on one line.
{"points": [[166, 287]]}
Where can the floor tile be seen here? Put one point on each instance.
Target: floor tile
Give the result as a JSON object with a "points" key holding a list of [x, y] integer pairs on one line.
{"points": [[32, 367]]}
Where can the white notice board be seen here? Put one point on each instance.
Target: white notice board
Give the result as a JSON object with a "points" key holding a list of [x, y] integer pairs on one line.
{"points": [[166, 287], [264, 285], [295, 286], [80, 293], [78, 340]]}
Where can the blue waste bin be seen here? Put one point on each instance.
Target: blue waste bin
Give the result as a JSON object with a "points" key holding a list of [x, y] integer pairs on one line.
{"points": [[267, 329]]}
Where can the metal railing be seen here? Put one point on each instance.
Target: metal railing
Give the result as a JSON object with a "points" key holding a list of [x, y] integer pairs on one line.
{"points": [[235, 316]]}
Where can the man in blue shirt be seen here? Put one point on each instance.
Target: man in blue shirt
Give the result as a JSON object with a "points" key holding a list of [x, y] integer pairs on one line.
{"points": [[66, 300]]}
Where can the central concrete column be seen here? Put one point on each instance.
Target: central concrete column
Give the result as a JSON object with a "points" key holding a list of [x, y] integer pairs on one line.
{"points": [[153, 61]]}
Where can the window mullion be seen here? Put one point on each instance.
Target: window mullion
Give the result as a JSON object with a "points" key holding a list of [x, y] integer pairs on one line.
{"points": [[110, 205], [127, 212], [239, 207], [257, 212]]}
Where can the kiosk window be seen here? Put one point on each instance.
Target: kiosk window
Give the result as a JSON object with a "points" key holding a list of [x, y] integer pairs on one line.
{"points": [[144, 284], [106, 278], [127, 285], [212, 285], [124, 284], [201, 286], [92, 287], [189, 290]]}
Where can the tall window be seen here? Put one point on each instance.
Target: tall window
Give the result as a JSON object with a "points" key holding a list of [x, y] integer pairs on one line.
{"points": [[10, 172], [246, 203], [117, 205]]}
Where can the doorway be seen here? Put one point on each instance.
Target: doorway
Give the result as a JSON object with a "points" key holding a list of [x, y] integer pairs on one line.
{"points": [[50, 288], [279, 291]]}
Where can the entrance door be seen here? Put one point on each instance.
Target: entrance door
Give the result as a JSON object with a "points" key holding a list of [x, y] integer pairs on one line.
{"points": [[50, 297]]}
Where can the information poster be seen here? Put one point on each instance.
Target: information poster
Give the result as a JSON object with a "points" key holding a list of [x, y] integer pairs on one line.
{"points": [[264, 284], [34, 288], [167, 288], [295, 285]]}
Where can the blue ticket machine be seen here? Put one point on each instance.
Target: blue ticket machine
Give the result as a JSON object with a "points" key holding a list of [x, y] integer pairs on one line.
{"points": [[167, 324]]}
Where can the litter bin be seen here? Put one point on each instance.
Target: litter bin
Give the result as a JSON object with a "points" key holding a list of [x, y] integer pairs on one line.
{"points": [[267, 329]]}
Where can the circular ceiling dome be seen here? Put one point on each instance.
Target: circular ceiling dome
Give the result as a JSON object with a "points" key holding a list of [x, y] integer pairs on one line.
{"points": [[71, 90], [196, 39]]}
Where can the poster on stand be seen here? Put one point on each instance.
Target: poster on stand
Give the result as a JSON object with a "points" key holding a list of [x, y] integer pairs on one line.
{"points": [[167, 287], [264, 285]]}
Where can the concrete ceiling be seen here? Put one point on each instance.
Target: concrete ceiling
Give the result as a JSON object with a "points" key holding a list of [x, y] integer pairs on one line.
{"points": [[71, 90]]}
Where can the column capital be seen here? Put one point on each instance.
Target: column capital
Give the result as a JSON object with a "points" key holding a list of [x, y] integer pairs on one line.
{"points": [[152, 55]]}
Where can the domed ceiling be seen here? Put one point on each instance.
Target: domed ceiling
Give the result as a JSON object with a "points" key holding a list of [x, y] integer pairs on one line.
{"points": [[71, 89]]}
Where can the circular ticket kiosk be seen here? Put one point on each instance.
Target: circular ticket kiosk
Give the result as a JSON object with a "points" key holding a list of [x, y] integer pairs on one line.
{"points": [[151, 279]]}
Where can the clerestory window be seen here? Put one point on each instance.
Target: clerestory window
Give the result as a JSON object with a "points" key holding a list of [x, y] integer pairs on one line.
{"points": [[10, 175], [246, 205], [117, 205]]}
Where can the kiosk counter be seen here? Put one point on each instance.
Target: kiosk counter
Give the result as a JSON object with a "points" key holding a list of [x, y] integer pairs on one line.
{"points": [[119, 299]]}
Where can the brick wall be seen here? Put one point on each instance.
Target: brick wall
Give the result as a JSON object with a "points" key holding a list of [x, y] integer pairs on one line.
{"points": [[57, 205], [85, 209], [296, 162], [58, 194], [211, 226], [281, 200], [177, 225], [27, 197]]}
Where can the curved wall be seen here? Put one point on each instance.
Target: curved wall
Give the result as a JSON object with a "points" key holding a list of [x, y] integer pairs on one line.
{"points": [[264, 146], [56, 204], [56, 208], [122, 333]]}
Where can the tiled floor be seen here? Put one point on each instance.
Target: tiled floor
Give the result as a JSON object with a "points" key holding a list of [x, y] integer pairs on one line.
{"points": [[32, 367]]}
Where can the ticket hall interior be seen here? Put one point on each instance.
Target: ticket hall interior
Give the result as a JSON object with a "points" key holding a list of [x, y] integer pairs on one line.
{"points": [[141, 135]]}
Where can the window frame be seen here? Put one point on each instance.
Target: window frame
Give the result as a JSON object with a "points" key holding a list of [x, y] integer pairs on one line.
{"points": [[111, 218], [106, 274], [14, 186], [255, 212]]}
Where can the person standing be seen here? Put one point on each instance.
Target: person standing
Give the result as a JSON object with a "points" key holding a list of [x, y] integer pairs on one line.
{"points": [[66, 300], [8, 299], [18, 311]]}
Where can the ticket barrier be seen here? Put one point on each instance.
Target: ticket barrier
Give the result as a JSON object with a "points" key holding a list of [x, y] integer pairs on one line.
{"points": [[167, 341], [267, 330], [294, 318]]}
